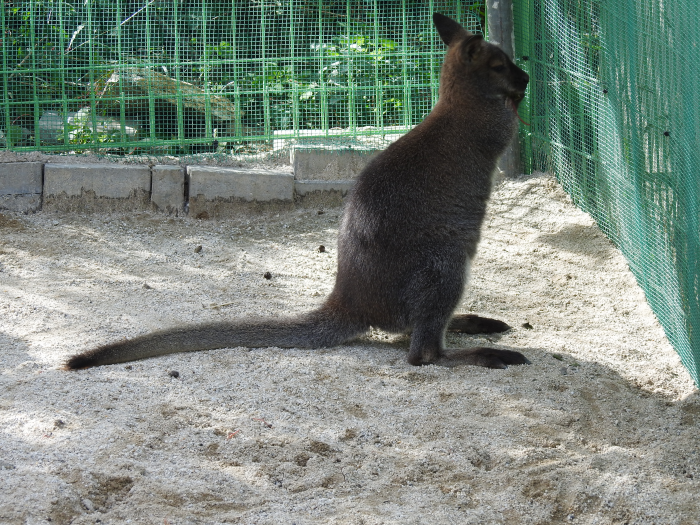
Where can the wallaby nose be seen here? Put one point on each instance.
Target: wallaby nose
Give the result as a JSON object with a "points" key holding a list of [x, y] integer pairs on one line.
{"points": [[520, 78], [523, 81]]}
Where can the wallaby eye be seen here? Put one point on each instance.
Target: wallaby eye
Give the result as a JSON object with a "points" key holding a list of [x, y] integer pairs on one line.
{"points": [[499, 68]]}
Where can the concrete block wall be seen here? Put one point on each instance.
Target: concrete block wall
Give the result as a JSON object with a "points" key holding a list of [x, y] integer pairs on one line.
{"points": [[320, 177], [21, 186], [168, 189], [96, 187], [217, 192], [325, 163]]}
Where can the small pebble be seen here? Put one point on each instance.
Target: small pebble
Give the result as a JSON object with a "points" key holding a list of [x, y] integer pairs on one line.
{"points": [[527, 326], [267, 275], [147, 286], [321, 248], [174, 373], [198, 249]]}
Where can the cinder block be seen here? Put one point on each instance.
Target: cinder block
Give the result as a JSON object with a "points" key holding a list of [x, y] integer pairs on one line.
{"points": [[17, 178], [168, 188], [327, 163], [321, 193], [20, 186], [245, 184], [220, 192], [113, 181], [26, 203], [96, 187], [304, 187]]}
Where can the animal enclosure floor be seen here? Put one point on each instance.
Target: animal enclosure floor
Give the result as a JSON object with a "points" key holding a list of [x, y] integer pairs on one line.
{"points": [[601, 428]]}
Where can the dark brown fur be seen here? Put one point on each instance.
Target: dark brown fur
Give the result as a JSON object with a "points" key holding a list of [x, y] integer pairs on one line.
{"points": [[410, 229]]}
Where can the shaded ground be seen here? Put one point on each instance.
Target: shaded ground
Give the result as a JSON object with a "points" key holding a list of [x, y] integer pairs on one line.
{"points": [[601, 428]]}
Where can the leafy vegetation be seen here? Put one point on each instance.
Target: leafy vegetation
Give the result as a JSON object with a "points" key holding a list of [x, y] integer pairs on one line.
{"points": [[284, 65]]}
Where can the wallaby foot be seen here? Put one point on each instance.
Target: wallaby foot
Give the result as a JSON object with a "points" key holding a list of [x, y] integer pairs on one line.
{"points": [[473, 324], [482, 356], [426, 342]]}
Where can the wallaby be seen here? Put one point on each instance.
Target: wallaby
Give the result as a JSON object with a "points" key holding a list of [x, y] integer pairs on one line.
{"points": [[409, 231]]}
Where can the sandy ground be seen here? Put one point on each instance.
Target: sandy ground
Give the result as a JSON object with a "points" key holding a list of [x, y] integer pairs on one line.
{"points": [[601, 428]]}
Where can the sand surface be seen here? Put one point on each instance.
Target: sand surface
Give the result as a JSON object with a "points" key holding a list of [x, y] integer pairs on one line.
{"points": [[601, 428]]}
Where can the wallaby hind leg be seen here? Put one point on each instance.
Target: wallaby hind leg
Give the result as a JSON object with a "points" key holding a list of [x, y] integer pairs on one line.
{"points": [[473, 324], [427, 347], [426, 342], [482, 356]]}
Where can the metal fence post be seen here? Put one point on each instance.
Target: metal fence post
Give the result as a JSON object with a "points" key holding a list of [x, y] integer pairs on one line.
{"points": [[499, 17]]}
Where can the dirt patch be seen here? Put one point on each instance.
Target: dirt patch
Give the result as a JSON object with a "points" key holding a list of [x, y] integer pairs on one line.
{"points": [[10, 222], [601, 428]]}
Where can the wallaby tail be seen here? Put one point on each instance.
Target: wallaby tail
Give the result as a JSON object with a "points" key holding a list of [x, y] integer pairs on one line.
{"points": [[319, 328]]}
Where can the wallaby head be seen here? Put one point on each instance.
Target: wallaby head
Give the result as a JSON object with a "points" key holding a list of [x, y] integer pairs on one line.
{"points": [[473, 66]]}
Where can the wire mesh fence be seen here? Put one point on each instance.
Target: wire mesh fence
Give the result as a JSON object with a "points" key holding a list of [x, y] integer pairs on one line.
{"points": [[615, 113], [183, 76]]}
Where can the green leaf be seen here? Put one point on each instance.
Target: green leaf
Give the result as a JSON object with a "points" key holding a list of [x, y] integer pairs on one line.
{"points": [[389, 44]]}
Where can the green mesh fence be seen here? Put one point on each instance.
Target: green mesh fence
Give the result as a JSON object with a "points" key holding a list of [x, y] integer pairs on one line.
{"points": [[615, 114], [176, 77]]}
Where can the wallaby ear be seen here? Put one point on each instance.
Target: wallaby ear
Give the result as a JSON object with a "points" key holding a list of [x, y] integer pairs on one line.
{"points": [[471, 46], [447, 28]]}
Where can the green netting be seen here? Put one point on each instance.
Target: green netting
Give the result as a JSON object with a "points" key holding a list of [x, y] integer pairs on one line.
{"points": [[615, 113], [184, 76]]}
